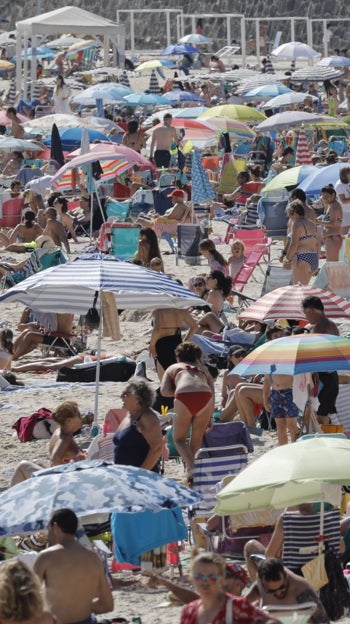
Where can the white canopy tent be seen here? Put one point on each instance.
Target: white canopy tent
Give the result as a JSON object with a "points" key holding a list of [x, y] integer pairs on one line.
{"points": [[60, 21]]}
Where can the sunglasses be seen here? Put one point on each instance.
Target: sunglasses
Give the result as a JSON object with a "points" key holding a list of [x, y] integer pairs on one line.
{"points": [[277, 589], [206, 578]]}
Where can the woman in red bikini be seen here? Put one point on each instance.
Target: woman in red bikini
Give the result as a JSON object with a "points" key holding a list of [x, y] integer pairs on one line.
{"points": [[192, 386]]}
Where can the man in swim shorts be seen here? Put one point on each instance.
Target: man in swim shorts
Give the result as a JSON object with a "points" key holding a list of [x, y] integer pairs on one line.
{"points": [[162, 139], [278, 400], [76, 586]]}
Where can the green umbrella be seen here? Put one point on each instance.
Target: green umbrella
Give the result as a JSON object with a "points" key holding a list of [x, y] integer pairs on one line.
{"points": [[306, 471], [289, 177]]}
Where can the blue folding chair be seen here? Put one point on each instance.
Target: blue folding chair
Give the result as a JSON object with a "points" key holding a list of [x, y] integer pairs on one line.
{"points": [[124, 240]]}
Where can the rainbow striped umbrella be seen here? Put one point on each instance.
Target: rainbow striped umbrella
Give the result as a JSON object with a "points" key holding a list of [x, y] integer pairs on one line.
{"points": [[111, 167], [293, 355]]}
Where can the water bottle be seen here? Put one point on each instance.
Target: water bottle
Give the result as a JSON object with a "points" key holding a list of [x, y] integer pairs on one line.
{"points": [[95, 430]]}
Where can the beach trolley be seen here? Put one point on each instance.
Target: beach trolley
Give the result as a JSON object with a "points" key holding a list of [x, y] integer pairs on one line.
{"points": [[124, 240]]}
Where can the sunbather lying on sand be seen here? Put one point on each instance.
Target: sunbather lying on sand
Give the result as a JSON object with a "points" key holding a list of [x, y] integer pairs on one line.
{"points": [[54, 363]]}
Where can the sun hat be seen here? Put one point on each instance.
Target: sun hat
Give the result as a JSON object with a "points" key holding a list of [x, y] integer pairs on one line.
{"points": [[177, 193]]}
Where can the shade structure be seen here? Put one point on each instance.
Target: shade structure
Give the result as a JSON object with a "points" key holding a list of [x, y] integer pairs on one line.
{"points": [[71, 137], [179, 48], [124, 79], [182, 96], [201, 188], [266, 91], [88, 487], [195, 39], [11, 144], [245, 114], [293, 50], [72, 290], [108, 92], [289, 475], [231, 126], [154, 84], [292, 118], [289, 178], [303, 154], [287, 99], [314, 182], [334, 61], [285, 302], [146, 99], [305, 353]]}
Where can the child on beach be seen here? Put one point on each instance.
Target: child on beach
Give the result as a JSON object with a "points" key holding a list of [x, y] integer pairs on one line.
{"points": [[278, 400], [237, 259], [216, 261]]}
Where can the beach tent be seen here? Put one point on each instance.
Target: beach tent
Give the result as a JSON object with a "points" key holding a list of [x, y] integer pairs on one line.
{"points": [[60, 21]]}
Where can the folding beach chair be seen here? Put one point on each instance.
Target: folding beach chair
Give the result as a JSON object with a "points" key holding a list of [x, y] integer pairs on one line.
{"points": [[117, 209], [11, 212], [275, 277], [189, 236], [124, 240]]}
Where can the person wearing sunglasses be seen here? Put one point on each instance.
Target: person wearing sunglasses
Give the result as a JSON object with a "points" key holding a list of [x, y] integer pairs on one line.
{"points": [[277, 585], [214, 605]]}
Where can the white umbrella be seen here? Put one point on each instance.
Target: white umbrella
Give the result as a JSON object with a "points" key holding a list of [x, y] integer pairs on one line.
{"points": [[70, 121], [316, 73], [196, 39], [11, 144], [288, 99], [65, 41], [291, 118], [293, 50], [334, 61]]}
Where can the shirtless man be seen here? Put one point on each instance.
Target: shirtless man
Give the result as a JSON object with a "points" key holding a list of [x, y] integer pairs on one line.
{"points": [[278, 400], [314, 312], [277, 585], [162, 139], [166, 335], [74, 578], [32, 337], [17, 130], [55, 229], [176, 213]]}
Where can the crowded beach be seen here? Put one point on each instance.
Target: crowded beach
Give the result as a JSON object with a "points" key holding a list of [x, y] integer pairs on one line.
{"points": [[175, 352]]}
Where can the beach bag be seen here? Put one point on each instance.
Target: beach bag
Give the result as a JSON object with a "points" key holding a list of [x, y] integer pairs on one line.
{"points": [[92, 318], [335, 595], [112, 369], [26, 424], [315, 572]]}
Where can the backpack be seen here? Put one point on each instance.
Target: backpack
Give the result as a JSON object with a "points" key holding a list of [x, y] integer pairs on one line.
{"points": [[25, 425]]}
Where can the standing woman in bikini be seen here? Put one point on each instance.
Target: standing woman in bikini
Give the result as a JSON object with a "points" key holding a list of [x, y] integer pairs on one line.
{"points": [[332, 224], [303, 247], [166, 335], [191, 384]]}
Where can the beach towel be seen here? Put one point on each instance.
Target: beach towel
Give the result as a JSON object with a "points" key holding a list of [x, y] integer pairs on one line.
{"points": [[26, 424]]}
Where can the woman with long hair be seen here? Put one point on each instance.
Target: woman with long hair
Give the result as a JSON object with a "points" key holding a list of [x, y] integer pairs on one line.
{"points": [[148, 247], [24, 233], [219, 288], [215, 259], [21, 595], [61, 96]]}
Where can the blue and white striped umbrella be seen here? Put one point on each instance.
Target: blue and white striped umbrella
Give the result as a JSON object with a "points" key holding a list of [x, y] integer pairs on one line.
{"points": [[201, 187], [72, 290]]}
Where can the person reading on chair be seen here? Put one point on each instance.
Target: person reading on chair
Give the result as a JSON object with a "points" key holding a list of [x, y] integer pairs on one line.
{"points": [[32, 337], [277, 585]]}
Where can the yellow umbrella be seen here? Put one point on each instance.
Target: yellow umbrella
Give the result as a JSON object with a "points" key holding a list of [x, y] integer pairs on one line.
{"points": [[6, 64], [246, 114], [153, 64]]}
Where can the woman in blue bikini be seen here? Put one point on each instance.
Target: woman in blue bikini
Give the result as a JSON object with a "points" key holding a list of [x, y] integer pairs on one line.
{"points": [[302, 252]]}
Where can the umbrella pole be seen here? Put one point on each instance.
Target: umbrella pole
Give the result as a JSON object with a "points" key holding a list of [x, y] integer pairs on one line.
{"points": [[98, 361], [321, 539]]}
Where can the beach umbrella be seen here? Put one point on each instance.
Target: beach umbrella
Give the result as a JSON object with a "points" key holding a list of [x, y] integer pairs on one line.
{"points": [[85, 45], [112, 165], [11, 144], [40, 52], [88, 487], [334, 61], [293, 50], [179, 48], [146, 99], [239, 112], [289, 475], [288, 99], [182, 96], [124, 79], [154, 64], [304, 353], [56, 151], [314, 182], [289, 178], [154, 84], [5, 121], [196, 39], [316, 74], [5, 64], [65, 41], [202, 190], [114, 149], [303, 154], [291, 118], [267, 91], [230, 126], [191, 112], [285, 302], [71, 137], [268, 66], [63, 120], [108, 92]]}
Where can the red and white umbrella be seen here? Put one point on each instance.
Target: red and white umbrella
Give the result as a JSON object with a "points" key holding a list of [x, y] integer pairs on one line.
{"points": [[303, 155], [285, 302]]}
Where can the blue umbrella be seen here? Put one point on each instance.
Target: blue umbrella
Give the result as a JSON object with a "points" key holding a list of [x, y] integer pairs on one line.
{"points": [[71, 137], [334, 61], [313, 183], [88, 487], [108, 92], [40, 52], [179, 48], [191, 112], [182, 96], [201, 187], [146, 99], [267, 91]]}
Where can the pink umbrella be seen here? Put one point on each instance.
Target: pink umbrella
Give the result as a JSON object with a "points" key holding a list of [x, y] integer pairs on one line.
{"points": [[5, 121], [303, 154], [112, 166], [115, 150]]}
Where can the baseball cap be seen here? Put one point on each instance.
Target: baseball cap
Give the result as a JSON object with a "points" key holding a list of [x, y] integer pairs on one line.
{"points": [[177, 193]]}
